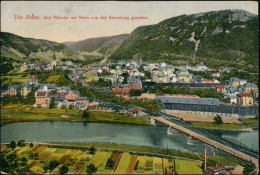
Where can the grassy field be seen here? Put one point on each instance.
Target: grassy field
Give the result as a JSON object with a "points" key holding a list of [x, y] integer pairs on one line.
{"points": [[53, 78], [212, 125], [24, 113], [188, 167], [77, 160], [108, 117], [91, 76], [246, 122], [229, 160]]}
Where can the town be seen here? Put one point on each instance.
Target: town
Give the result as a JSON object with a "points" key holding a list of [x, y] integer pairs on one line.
{"points": [[134, 79]]}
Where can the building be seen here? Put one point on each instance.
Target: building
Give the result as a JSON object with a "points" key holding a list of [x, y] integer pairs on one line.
{"points": [[250, 87], [210, 81], [120, 89], [244, 99], [242, 82], [216, 169], [221, 87], [25, 90], [135, 111], [82, 102], [215, 74], [41, 99], [33, 81], [62, 91], [233, 81], [184, 78], [12, 90], [47, 87], [71, 96], [134, 83]]}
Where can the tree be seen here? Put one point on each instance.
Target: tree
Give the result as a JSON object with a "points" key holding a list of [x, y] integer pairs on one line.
{"points": [[12, 144], [64, 169], [218, 119], [92, 150], [20, 143], [85, 114], [110, 162], [52, 103], [53, 164], [31, 145], [91, 169], [24, 161]]}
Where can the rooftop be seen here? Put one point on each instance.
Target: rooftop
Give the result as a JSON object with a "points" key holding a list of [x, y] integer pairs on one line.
{"points": [[184, 100], [243, 95]]}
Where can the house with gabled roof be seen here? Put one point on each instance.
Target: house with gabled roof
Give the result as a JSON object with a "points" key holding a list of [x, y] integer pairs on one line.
{"points": [[47, 87], [25, 89], [41, 99], [244, 99], [12, 90], [221, 87], [134, 83], [71, 96], [33, 81], [62, 91]]}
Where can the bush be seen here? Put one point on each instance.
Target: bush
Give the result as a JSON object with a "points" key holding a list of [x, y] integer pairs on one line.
{"points": [[92, 150], [91, 169], [218, 119], [110, 162], [85, 114], [12, 144]]}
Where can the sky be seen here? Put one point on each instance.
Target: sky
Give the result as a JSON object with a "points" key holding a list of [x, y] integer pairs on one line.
{"points": [[61, 30]]}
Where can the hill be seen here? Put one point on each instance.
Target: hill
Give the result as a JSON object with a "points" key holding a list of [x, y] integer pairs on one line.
{"points": [[103, 45], [227, 35], [20, 48]]}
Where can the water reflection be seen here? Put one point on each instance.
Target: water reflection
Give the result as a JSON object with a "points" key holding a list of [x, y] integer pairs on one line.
{"points": [[155, 136]]}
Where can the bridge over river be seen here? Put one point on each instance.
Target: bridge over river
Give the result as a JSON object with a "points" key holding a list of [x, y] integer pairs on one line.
{"points": [[210, 141]]}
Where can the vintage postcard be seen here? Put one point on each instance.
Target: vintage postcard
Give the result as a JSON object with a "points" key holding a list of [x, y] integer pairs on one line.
{"points": [[109, 87]]}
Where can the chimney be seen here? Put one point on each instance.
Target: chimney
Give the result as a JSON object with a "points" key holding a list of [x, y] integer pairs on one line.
{"points": [[205, 160]]}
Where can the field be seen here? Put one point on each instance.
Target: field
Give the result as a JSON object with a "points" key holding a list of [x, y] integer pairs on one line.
{"points": [[22, 113], [77, 161], [216, 126], [246, 122], [91, 76]]}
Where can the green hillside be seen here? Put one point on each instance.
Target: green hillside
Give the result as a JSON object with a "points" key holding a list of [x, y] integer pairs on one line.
{"points": [[228, 35], [20, 48], [103, 45]]}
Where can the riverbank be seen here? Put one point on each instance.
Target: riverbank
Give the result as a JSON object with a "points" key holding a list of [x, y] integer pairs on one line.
{"points": [[246, 124], [25, 113]]}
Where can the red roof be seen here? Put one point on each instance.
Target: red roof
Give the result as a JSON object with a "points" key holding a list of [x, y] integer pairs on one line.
{"points": [[208, 80], [216, 167], [52, 95], [129, 69], [135, 109], [155, 69], [39, 94], [32, 77], [243, 95], [220, 86], [216, 72]]}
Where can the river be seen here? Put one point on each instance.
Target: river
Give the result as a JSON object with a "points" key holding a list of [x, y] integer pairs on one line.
{"points": [[154, 136]]}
